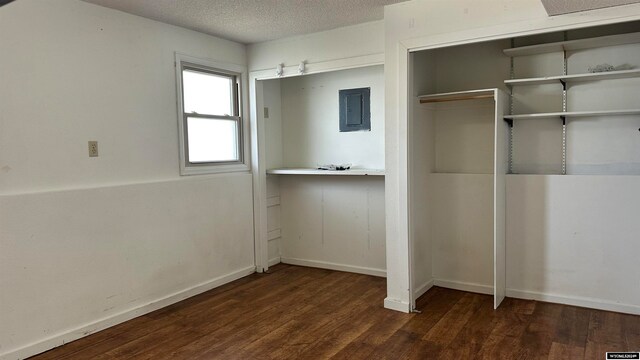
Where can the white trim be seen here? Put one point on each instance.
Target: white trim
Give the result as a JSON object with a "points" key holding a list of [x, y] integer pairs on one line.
{"points": [[274, 234], [397, 305], [334, 266], [101, 324], [124, 184], [405, 63], [402, 191], [241, 72], [422, 289], [274, 261], [464, 286], [212, 169], [564, 22], [258, 169], [586, 302], [321, 67]]}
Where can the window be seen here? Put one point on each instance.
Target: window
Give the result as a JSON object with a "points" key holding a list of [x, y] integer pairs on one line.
{"points": [[210, 117]]}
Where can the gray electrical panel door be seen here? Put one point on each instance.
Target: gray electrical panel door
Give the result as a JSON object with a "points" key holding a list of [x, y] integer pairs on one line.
{"points": [[355, 113]]}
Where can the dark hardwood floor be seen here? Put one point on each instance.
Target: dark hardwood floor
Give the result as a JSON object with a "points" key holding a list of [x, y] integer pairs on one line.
{"points": [[303, 313]]}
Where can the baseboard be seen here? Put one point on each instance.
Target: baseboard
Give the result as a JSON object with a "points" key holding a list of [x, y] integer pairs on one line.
{"points": [[87, 329], [397, 305], [333, 266], [575, 301], [423, 289], [274, 261], [464, 286]]}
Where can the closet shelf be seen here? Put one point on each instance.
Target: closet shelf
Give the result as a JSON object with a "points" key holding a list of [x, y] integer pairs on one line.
{"points": [[574, 114], [621, 74], [458, 95], [572, 45], [313, 171]]}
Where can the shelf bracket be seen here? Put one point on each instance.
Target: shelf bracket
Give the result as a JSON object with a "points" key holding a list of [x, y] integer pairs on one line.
{"points": [[512, 75], [510, 154], [564, 145]]}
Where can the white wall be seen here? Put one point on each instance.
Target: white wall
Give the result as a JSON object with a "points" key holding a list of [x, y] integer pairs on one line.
{"points": [[346, 42], [419, 24], [88, 242], [462, 231], [334, 222], [574, 239], [310, 125]]}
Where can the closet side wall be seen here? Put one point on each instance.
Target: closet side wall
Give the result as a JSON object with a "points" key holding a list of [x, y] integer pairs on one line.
{"points": [[422, 164]]}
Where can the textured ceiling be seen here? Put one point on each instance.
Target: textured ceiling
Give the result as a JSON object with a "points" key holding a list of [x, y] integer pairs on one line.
{"points": [[250, 21], [557, 7]]}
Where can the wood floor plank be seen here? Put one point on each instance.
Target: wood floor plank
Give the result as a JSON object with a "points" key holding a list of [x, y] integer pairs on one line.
{"points": [[504, 340], [454, 320], [386, 324], [538, 336], [304, 313], [631, 327], [334, 339], [398, 346], [432, 311], [573, 326], [606, 334], [295, 336], [607, 328], [248, 323], [560, 351], [472, 337]]}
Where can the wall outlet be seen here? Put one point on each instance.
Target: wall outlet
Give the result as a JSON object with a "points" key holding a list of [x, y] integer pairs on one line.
{"points": [[93, 149]]}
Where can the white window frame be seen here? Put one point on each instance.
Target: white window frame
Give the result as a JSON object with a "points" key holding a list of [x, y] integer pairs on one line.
{"points": [[183, 61]]}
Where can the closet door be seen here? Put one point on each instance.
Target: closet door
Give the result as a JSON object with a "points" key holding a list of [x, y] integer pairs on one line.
{"points": [[501, 168]]}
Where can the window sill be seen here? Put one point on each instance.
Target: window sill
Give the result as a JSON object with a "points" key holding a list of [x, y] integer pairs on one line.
{"points": [[213, 169]]}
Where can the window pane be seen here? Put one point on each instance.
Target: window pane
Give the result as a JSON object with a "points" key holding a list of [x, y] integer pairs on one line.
{"points": [[207, 93], [212, 140]]}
